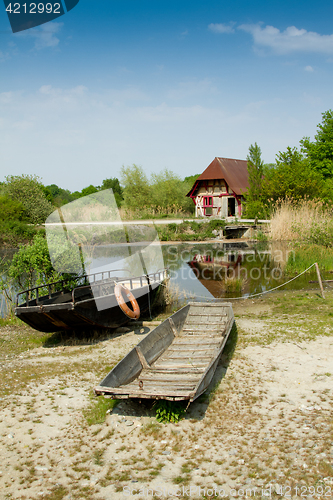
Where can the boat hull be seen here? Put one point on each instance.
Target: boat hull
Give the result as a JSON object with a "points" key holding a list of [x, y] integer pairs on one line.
{"points": [[177, 360], [66, 313]]}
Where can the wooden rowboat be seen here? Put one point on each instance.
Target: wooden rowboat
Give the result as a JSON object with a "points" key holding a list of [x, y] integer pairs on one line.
{"points": [[176, 360]]}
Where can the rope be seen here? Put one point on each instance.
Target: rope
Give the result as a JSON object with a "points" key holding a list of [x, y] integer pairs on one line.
{"points": [[272, 289], [260, 293]]}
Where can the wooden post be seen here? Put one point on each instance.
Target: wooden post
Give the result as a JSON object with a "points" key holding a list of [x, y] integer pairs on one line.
{"points": [[319, 280]]}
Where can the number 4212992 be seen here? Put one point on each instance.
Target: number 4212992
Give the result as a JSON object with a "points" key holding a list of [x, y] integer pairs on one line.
{"points": [[33, 8]]}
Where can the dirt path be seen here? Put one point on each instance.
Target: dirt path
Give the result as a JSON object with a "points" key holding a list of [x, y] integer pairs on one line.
{"points": [[264, 431]]}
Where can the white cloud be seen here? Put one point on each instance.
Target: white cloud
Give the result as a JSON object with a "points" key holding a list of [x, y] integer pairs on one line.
{"points": [[4, 56], [291, 39], [57, 92], [192, 88], [8, 97], [309, 69], [45, 35], [221, 27]]}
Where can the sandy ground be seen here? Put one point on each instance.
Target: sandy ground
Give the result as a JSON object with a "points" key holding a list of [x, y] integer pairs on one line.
{"points": [[264, 431]]}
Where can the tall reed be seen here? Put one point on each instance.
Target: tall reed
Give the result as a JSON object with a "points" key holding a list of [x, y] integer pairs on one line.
{"points": [[308, 221]]}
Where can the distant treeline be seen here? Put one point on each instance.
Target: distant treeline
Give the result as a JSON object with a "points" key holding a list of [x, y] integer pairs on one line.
{"points": [[25, 202]]}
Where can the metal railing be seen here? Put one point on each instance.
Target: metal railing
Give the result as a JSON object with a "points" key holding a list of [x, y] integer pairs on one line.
{"points": [[105, 277]]}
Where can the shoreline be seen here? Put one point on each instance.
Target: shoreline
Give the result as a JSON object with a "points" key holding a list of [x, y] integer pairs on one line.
{"points": [[266, 419]]}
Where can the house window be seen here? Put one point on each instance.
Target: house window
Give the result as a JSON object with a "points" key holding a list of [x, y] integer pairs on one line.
{"points": [[208, 205], [208, 201]]}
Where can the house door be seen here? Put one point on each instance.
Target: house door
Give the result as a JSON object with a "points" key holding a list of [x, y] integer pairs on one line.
{"points": [[231, 207]]}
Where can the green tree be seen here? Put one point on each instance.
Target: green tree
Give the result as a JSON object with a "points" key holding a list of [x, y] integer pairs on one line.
{"points": [[57, 196], [89, 190], [137, 192], [320, 151], [190, 180], [113, 183], [28, 190], [13, 222], [255, 167], [292, 177], [167, 190]]}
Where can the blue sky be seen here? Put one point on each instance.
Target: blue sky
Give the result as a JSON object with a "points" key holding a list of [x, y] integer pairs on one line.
{"points": [[164, 84]]}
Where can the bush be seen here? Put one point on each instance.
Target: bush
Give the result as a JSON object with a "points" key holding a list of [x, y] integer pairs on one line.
{"points": [[29, 191], [31, 265], [169, 411]]}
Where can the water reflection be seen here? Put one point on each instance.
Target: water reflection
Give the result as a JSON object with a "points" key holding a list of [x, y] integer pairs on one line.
{"points": [[229, 269]]}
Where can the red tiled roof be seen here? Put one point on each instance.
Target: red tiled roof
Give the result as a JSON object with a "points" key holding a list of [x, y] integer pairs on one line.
{"points": [[233, 171]]}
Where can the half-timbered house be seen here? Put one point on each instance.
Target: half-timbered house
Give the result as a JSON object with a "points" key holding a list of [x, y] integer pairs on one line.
{"points": [[219, 190]]}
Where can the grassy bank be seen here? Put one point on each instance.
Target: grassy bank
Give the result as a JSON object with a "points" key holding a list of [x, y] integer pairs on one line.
{"points": [[190, 230], [305, 255]]}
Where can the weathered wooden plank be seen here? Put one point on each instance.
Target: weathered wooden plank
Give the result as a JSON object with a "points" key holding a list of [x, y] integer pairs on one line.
{"points": [[173, 327], [182, 363], [169, 365], [195, 333], [184, 370], [199, 340], [203, 328], [209, 314], [148, 386], [142, 358], [195, 305], [170, 377], [209, 342], [170, 380], [192, 348], [188, 354], [142, 393]]}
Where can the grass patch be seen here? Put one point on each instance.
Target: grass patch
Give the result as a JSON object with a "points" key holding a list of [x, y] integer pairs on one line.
{"points": [[151, 429], [294, 317], [304, 255], [57, 493], [10, 321], [96, 412]]}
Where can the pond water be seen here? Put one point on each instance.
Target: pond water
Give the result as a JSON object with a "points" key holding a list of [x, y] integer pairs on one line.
{"points": [[216, 270], [232, 269]]}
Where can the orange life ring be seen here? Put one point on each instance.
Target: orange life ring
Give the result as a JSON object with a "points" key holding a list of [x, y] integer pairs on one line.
{"points": [[118, 291]]}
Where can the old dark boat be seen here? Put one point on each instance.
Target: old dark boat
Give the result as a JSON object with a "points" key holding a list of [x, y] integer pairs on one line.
{"points": [[53, 307], [125, 262], [176, 360]]}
